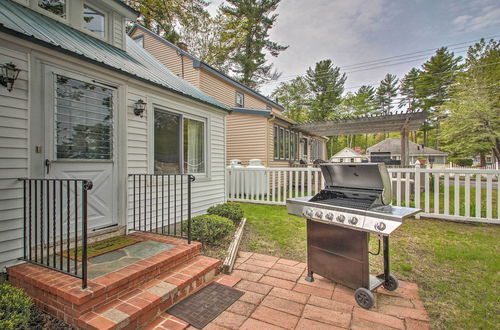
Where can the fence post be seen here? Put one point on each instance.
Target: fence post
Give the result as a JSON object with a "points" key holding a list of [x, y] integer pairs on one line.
{"points": [[417, 188]]}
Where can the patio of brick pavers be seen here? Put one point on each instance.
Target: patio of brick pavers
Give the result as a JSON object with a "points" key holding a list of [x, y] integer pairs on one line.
{"points": [[277, 296]]}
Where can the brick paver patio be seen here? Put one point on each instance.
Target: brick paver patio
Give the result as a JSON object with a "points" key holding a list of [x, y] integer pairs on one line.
{"points": [[277, 296]]}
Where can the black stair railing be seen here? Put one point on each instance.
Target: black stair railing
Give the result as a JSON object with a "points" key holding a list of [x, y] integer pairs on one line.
{"points": [[55, 224], [161, 204]]}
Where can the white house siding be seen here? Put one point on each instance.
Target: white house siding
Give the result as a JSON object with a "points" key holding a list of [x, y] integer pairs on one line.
{"points": [[206, 191], [118, 31], [14, 157]]}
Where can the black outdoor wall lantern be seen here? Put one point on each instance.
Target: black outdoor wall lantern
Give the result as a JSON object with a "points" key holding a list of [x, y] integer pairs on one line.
{"points": [[8, 75], [140, 107]]}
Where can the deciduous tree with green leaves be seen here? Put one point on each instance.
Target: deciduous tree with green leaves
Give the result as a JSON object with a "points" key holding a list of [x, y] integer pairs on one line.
{"points": [[472, 124], [294, 97]]}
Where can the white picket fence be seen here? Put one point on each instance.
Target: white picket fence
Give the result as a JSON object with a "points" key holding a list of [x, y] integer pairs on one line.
{"points": [[452, 194], [493, 166]]}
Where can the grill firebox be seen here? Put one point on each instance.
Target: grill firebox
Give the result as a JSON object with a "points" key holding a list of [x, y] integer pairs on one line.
{"points": [[354, 203]]}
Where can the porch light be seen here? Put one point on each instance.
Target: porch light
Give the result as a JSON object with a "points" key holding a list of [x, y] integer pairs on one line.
{"points": [[8, 75], [140, 107]]}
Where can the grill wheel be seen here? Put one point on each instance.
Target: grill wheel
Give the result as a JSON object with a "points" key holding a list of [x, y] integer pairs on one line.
{"points": [[364, 298], [392, 283]]}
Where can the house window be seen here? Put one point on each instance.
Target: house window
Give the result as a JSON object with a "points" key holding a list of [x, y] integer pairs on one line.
{"points": [[84, 114], [304, 146], [316, 149], [285, 143], [139, 40], [239, 99], [57, 7], [93, 20], [194, 146], [170, 152]]}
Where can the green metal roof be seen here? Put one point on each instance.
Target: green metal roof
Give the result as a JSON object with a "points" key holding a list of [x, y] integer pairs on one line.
{"points": [[135, 62]]}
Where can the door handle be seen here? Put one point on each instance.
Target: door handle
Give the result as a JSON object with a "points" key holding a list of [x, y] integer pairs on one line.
{"points": [[47, 165]]}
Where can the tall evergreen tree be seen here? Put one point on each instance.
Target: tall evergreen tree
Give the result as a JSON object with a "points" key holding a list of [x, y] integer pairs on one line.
{"points": [[386, 92], [326, 85], [433, 85], [246, 39], [361, 102], [167, 17], [408, 89]]}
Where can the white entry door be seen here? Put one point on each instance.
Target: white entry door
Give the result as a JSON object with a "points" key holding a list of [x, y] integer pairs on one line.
{"points": [[80, 143]]}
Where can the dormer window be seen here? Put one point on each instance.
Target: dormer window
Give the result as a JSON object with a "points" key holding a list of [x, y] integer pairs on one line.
{"points": [[239, 100], [56, 7], [93, 20]]}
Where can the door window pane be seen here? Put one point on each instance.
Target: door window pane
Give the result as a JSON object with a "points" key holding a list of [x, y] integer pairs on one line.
{"points": [[276, 143], [84, 120], [57, 7], [194, 146], [167, 143], [93, 20]]}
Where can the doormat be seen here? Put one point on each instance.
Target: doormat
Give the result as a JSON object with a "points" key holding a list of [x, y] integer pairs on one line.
{"points": [[100, 247], [206, 304]]}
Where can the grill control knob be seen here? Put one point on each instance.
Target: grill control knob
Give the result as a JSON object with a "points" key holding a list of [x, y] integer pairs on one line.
{"points": [[340, 218], [380, 226], [319, 214], [329, 216], [308, 212], [353, 220]]}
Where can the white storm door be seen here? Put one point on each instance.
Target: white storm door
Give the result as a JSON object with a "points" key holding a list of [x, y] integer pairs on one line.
{"points": [[81, 143]]}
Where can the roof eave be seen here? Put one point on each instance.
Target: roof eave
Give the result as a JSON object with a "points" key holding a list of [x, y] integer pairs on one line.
{"points": [[101, 64]]}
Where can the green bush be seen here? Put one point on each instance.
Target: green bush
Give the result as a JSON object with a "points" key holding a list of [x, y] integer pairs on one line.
{"points": [[15, 307], [231, 211], [461, 161], [209, 228]]}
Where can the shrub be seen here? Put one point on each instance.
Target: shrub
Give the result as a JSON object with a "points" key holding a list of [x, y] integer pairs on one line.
{"points": [[461, 161], [228, 210], [15, 307], [209, 228]]}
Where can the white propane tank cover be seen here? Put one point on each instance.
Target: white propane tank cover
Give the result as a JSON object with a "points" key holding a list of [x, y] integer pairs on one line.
{"points": [[235, 162], [255, 163]]}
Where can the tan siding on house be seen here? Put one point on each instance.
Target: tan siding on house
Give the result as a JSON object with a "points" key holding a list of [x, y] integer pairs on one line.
{"points": [[224, 92], [168, 56], [14, 155], [246, 137]]}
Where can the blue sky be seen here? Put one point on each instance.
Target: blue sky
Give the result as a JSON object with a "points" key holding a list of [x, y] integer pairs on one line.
{"points": [[354, 31]]}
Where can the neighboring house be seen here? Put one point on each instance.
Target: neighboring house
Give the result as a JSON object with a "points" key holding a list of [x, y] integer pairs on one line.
{"points": [[257, 128], [416, 151], [348, 155], [71, 114]]}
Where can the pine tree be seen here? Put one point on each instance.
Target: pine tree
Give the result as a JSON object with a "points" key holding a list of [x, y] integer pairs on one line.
{"points": [[326, 85], [246, 39], [433, 85], [408, 89], [386, 92]]}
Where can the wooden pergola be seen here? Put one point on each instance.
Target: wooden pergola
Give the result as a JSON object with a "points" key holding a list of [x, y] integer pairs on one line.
{"points": [[402, 122]]}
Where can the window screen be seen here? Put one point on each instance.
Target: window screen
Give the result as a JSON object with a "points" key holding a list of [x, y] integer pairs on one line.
{"points": [[93, 20], [84, 120], [57, 7], [167, 143]]}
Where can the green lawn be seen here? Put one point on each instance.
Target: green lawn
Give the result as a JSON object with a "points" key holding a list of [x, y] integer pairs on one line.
{"points": [[455, 264]]}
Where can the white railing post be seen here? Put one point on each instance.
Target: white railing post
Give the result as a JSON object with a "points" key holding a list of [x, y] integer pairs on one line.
{"points": [[417, 188]]}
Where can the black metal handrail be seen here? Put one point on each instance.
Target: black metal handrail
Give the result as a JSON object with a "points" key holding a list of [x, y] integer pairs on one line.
{"points": [[51, 224], [159, 204]]}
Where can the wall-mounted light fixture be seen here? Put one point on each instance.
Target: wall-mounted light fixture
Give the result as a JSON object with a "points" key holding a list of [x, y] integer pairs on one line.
{"points": [[9, 73], [140, 107]]}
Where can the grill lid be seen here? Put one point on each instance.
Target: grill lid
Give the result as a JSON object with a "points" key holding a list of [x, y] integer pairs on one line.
{"points": [[373, 176]]}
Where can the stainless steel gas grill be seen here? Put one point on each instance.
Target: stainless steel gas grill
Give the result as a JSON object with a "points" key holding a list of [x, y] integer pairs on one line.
{"points": [[355, 202]]}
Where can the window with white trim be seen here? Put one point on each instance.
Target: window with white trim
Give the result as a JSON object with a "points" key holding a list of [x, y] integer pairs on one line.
{"points": [[285, 143], [239, 99], [84, 120], [316, 149], [94, 21], [56, 7], [179, 144]]}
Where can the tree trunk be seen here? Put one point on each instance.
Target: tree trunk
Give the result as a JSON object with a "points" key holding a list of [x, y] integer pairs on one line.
{"points": [[482, 160]]}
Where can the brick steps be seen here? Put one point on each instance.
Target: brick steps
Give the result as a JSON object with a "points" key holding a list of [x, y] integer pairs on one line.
{"points": [[172, 274], [151, 299]]}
